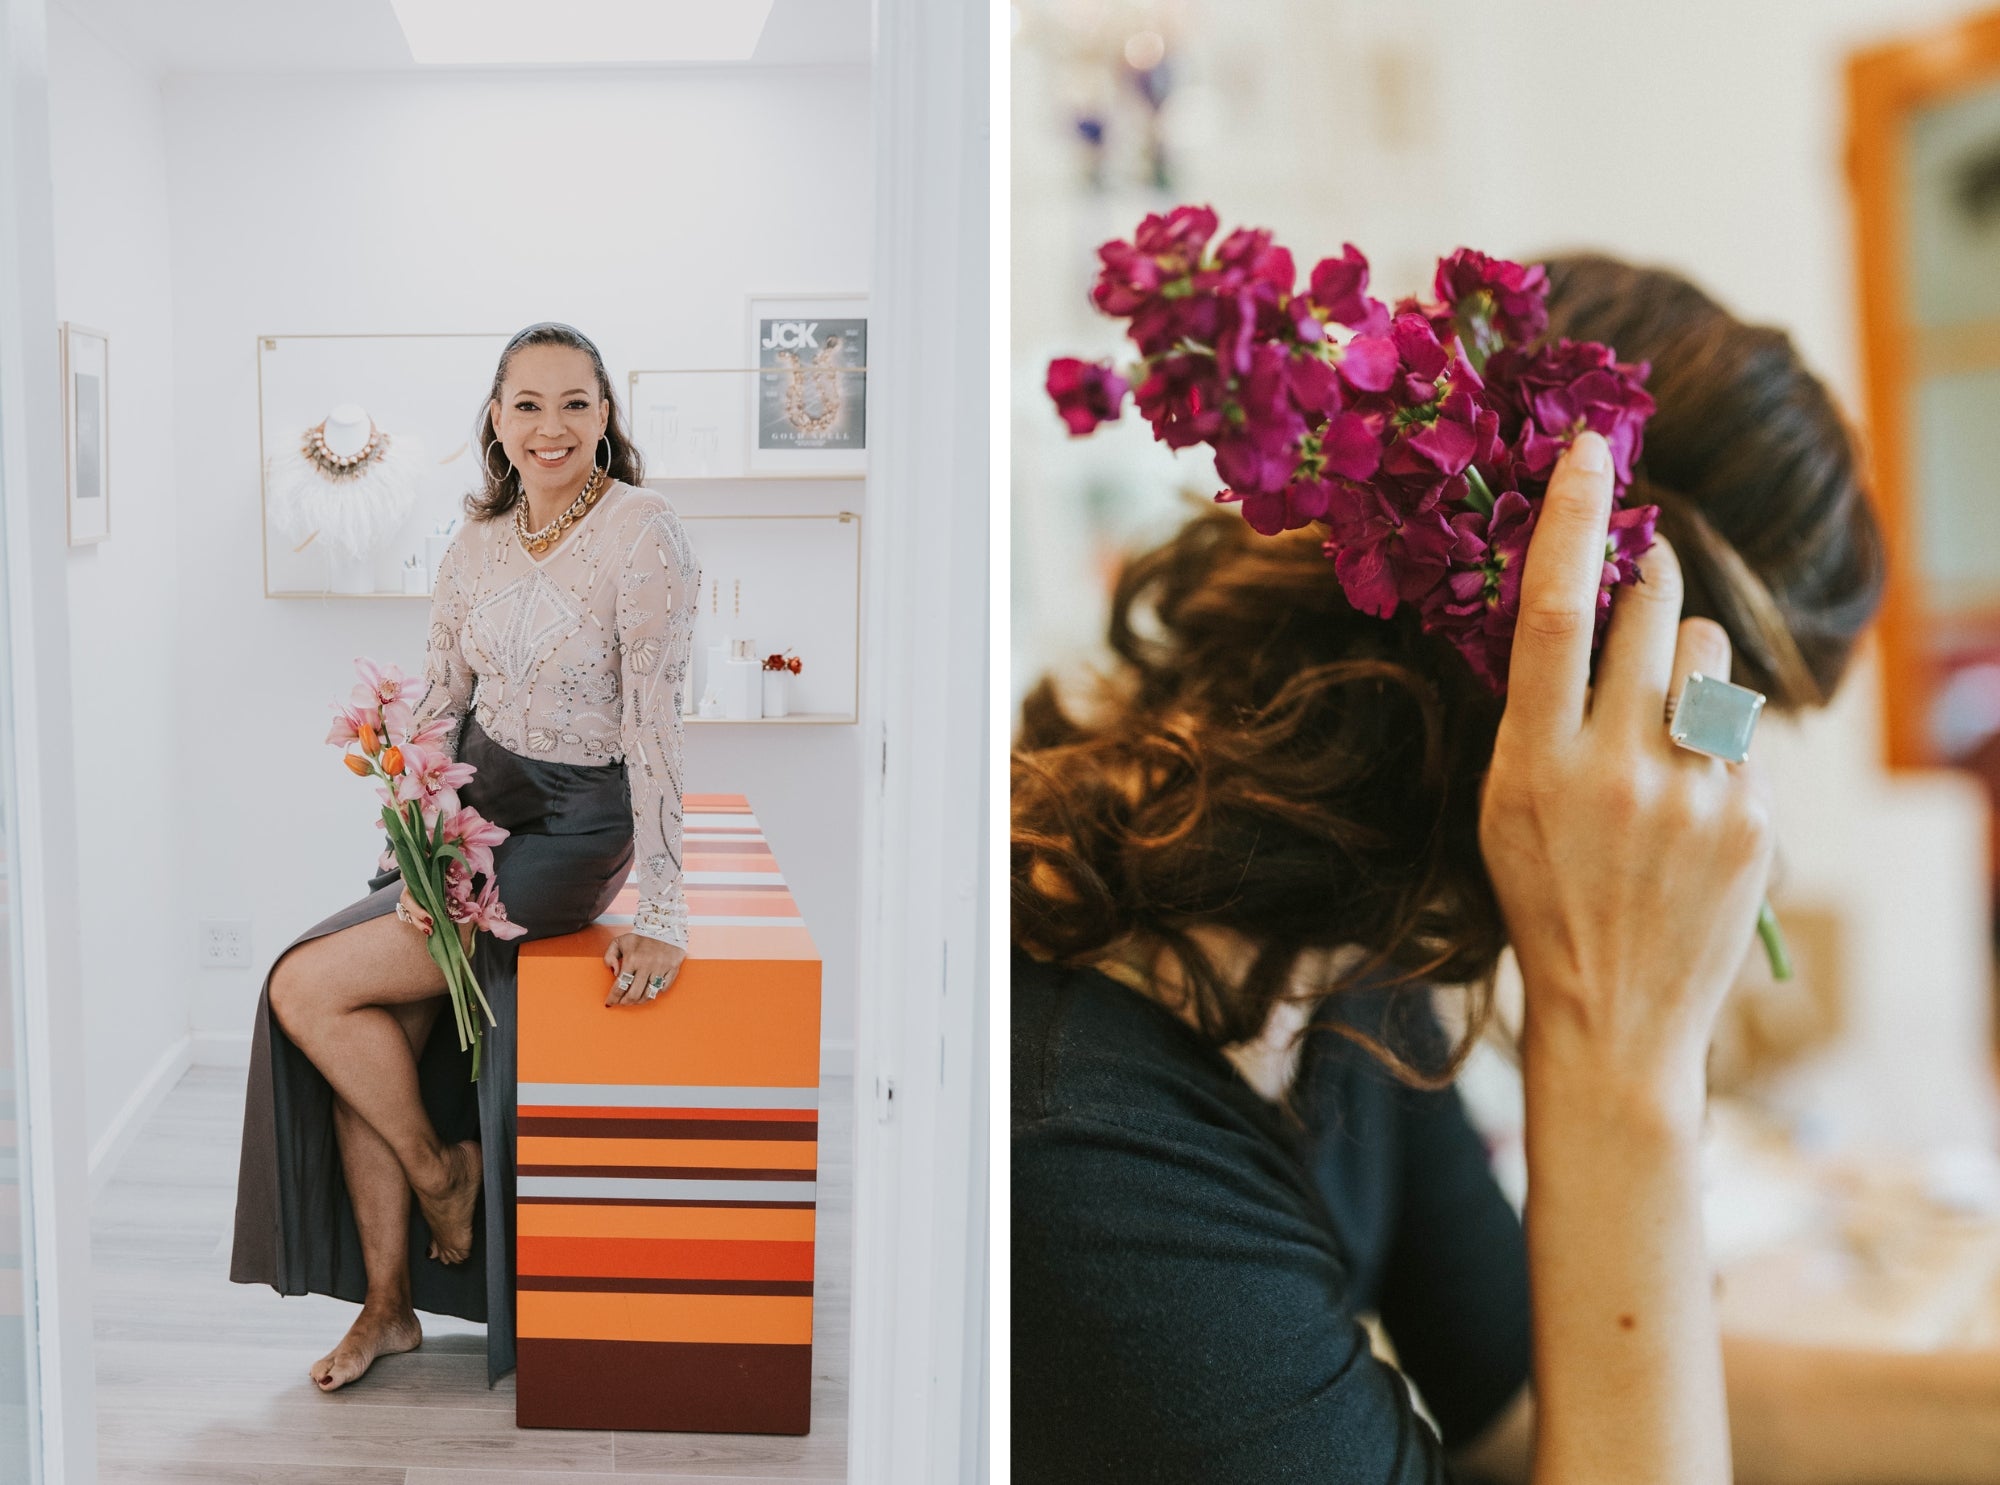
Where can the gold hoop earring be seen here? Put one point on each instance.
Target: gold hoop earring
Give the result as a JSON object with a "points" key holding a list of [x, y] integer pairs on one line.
{"points": [[487, 459], [604, 464]]}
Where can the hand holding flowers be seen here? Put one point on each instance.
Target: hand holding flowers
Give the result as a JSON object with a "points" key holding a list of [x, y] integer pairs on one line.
{"points": [[1629, 871], [441, 847]]}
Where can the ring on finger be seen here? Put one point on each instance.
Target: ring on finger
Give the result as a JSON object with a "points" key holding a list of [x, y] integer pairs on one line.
{"points": [[625, 980], [1717, 718]]}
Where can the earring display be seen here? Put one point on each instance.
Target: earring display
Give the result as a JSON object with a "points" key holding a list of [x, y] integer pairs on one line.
{"points": [[366, 455], [776, 584]]}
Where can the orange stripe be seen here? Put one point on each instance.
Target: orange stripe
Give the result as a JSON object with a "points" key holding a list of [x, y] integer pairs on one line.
{"points": [[560, 1149], [728, 1224], [715, 804], [721, 902], [726, 947], [720, 1024], [653, 1258], [742, 1319], [599, 1111]]}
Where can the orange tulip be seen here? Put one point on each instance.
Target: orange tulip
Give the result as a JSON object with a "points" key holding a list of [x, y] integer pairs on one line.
{"points": [[370, 744], [357, 765], [392, 760]]}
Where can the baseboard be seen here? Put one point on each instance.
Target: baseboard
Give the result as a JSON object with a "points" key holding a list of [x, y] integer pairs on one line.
{"points": [[221, 1048], [153, 1088]]}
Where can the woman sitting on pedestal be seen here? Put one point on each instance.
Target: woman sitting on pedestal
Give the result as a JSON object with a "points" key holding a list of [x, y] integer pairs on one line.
{"points": [[560, 634]]}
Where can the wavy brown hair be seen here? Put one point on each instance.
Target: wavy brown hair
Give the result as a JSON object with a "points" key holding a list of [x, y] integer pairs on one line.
{"points": [[498, 495], [1263, 759]]}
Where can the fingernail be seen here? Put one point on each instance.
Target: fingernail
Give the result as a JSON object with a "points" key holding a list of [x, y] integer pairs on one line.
{"points": [[1590, 453]]}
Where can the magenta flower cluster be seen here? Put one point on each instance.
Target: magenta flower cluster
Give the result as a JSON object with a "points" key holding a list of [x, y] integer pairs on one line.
{"points": [[1421, 436]]}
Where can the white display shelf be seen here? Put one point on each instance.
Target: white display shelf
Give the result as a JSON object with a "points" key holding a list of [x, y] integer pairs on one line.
{"points": [[804, 719]]}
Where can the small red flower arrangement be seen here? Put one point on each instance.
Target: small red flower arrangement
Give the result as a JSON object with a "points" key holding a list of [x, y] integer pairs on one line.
{"points": [[785, 661], [1421, 436]]}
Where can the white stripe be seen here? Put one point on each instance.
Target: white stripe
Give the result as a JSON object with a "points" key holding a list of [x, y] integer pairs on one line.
{"points": [[665, 1096], [699, 820], [733, 878], [717, 920], [602, 1187]]}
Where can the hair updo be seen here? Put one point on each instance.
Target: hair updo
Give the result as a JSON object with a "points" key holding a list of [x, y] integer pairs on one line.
{"points": [[497, 496], [1266, 760]]}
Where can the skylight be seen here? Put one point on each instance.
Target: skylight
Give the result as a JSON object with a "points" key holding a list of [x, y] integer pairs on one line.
{"points": [[580, 32]]}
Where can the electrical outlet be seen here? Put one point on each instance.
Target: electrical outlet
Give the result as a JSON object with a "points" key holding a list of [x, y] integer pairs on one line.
{"points": [[225, 944]]}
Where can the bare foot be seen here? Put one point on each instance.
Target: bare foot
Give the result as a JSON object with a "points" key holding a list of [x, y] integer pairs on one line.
{"points": [[379, 1330], [448, 1210]]}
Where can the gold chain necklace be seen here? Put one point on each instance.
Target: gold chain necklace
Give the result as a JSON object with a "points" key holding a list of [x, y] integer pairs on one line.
{"points": [[536, 541], [342, 466], [825, 381]]}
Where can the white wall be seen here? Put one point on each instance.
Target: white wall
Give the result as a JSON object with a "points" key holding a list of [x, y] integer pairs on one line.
{"points": [[641, 207], [107, 126], [1702, 135]]}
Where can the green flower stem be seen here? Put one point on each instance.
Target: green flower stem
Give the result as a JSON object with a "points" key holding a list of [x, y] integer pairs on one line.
{"points": [[1480, 497], [414, 860], [445, 950], [1774, 942]]}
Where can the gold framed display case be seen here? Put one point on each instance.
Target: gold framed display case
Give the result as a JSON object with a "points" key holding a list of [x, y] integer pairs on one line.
{"points": [[425, 390], [715, 423], [788, 581]]}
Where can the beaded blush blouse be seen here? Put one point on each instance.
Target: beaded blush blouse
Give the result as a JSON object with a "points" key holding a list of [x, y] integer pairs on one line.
{"points": [[581, 657]]}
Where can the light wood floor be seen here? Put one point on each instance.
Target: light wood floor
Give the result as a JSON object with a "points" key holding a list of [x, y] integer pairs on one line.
{"points": [[201, 1380]]}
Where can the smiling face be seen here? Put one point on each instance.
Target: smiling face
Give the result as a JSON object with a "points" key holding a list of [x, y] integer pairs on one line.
{"points": [[550, 404]]}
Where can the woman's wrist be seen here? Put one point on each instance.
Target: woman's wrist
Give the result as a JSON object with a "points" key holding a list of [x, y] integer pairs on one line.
{"points": [[1568, 1073]]}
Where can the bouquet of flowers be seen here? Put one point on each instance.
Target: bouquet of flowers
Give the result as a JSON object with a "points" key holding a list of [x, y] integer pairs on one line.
{"points": [[439, 845], [784, 661], [1422, 436]]}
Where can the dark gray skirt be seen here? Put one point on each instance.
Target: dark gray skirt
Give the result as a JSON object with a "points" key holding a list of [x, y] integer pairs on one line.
{"points": [[568, 856]]}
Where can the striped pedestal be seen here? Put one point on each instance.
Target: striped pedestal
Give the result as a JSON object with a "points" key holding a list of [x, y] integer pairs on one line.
{"points": [[667, 1161]]}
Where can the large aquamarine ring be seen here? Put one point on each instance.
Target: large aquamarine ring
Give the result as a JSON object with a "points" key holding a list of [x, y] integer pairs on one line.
{"points": [[1714, 717]]}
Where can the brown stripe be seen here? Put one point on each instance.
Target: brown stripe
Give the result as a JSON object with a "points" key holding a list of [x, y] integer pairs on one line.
{"points": [[658, 1201], [669, 1172], [669, 1129], [662, 1386], [605, 1284]]}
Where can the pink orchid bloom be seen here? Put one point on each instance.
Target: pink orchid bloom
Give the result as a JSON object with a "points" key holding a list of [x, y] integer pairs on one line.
{"points": [[477, 835], [434, 733], [348, 722], [382, 684], [434, 772], [459, 903], [488, 913]]}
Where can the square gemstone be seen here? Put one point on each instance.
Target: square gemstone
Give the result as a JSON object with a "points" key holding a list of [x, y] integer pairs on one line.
{"points": [[1715, 717]]}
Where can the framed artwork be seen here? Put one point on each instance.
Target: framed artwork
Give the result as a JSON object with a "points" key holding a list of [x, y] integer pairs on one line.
{"points": [[86, 356], [808, 414]]}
